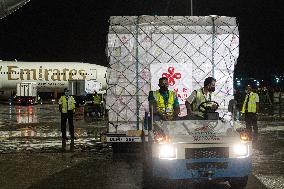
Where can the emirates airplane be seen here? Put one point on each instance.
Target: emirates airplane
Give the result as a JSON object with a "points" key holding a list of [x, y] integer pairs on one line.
{"points": [[49, 76]]}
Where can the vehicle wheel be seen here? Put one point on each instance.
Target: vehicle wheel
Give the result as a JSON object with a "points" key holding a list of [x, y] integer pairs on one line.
{"points": [[149, 180], [238, 183], [118, 147], [115, 147]]}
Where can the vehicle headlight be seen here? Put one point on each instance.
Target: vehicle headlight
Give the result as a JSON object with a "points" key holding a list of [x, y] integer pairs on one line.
{"points": [[161, 138], [167, 151], [241, 150], [244, 136]]}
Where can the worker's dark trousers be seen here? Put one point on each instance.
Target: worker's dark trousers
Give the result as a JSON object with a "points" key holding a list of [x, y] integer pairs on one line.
{"points": [[64, 117], [251, 124], [97, 109]]}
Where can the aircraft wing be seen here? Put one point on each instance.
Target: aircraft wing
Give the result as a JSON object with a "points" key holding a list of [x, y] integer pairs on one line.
{"points": [[9, 6]]}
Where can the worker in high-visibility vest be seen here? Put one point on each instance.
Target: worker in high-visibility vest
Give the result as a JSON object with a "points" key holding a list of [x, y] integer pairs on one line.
{"points": [[164, 102], [67, 108], [97, 101], [199, 96], [249, 110]]}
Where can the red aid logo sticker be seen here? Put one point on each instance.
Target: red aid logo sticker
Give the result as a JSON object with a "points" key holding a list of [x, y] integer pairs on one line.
{"points": [[171, 75]]}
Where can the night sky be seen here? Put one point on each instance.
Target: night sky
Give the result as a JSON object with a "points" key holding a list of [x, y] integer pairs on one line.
{"points": [[67, 30]]}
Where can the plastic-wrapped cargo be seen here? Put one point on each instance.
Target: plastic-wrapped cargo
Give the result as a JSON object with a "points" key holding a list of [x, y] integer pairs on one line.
{"points": [[185, 49]]}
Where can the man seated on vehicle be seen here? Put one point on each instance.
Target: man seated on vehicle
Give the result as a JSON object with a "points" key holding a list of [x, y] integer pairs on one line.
{"points": [[200, 96], [164, 102]]}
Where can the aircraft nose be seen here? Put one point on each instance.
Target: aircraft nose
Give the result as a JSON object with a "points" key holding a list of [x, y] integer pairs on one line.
{"points": [[9, 6]]}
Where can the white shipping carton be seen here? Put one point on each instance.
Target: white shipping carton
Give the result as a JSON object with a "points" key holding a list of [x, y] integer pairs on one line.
{"points": [[203, 46], [83, 87]]}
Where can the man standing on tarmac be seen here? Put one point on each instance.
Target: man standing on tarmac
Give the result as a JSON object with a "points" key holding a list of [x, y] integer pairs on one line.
{"points": [[249, 110], [199, 96], [164, 102], [97, 103], [67, 109]]}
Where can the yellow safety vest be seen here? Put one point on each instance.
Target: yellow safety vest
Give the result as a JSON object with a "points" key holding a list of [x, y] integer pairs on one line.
{"points": [[162, 107], [199, 98], [251, 103], [65, 104], [97, 99]]}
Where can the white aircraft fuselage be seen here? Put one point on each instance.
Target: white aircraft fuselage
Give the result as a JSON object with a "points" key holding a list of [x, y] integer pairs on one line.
{"points": [[49, 76]]}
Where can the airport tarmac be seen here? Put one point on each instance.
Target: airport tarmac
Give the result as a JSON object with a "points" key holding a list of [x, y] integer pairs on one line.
{"points": [[32, 155]]}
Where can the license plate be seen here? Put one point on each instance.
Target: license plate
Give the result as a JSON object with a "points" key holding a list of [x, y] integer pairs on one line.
{"points": [[124, 139]]}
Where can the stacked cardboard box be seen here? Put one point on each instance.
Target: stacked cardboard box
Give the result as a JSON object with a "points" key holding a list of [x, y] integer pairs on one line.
{"points": [[210, 45]]}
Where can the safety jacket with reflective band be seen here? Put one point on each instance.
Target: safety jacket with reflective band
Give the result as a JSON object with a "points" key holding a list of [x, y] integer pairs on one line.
{"points": [[97, 99], [162, 107], [66, 104], [251, 103], [199, 98]]}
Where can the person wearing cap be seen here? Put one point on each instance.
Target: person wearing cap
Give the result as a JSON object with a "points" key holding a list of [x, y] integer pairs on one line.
{"points": [[199, 96], [67, 108], [249, 110], [164, 102]]}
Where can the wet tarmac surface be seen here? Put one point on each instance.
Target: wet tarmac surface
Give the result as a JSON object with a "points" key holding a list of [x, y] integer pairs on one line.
{"points": [[32, 155]]}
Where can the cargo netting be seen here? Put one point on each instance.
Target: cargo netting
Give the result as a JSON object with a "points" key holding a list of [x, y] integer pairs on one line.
{"points": [[185, 49]]}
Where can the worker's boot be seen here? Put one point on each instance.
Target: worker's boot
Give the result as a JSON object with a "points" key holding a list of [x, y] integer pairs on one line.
{"points": [[64, 136]]}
